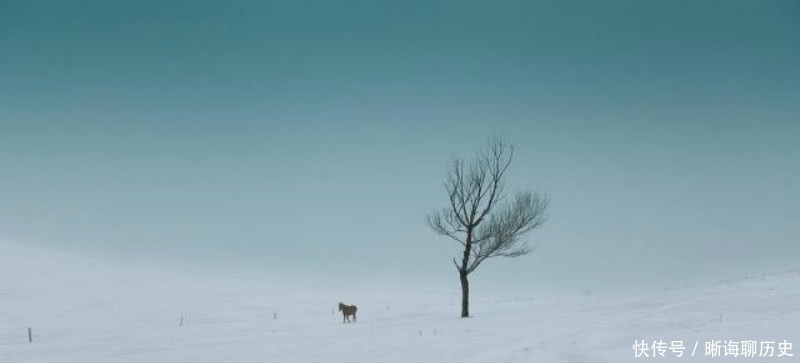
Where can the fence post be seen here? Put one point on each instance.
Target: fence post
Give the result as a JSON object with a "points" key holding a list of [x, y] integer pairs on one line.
{"points": [[30, 336]]}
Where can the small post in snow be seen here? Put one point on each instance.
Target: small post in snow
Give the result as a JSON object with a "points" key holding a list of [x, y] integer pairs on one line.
{"points": [[180, 325], [275, 315], [30, 336]]}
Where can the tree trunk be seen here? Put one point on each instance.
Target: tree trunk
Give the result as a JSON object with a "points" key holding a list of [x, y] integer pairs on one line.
{"points": [[464, 294]]}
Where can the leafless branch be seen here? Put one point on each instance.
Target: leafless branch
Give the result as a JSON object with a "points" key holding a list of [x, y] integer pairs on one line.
{"points": [[501, 235], [473, 219]]}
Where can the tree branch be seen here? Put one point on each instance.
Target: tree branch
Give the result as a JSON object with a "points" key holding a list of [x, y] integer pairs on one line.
{"points": [[456, 263], [478, 217], [501, 237]]}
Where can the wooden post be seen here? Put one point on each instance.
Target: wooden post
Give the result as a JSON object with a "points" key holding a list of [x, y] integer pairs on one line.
{"points": [[30, 336], [180, 325]]}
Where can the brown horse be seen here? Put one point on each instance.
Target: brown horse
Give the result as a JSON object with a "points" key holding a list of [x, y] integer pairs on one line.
{"points": [[347, 310]]}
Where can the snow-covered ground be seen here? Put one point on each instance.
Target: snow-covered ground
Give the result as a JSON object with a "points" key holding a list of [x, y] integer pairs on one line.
{"points": [[89, 311]]}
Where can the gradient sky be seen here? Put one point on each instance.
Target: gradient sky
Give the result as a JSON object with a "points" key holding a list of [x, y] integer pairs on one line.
{"points": [[311, 138]]}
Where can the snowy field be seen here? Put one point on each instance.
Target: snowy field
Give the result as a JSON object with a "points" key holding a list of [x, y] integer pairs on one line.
{"points": [[88, 311]]}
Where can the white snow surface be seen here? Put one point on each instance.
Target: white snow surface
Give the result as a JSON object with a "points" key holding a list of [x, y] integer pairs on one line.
{"points": [[82, 310]]}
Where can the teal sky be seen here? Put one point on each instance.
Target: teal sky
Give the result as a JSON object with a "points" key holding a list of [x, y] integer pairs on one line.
{"points": [[310, 138]]}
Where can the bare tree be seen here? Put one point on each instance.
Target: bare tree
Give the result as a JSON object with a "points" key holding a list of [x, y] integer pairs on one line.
{"points": [[480, 219]]}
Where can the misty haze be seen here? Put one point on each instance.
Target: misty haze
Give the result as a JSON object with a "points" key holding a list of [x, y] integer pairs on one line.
{"points": [[420, 181]]}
